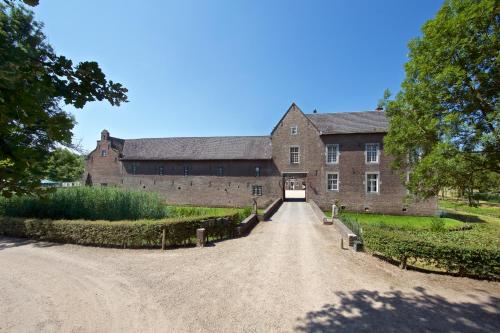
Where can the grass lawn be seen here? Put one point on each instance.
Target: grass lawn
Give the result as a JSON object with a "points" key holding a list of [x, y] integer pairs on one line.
{"points": [[401, 221], [484, 208]]}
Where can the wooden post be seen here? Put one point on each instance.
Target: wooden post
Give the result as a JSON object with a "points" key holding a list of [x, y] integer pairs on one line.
{"points": [[200, 236], [342, 243], [163, 237]]}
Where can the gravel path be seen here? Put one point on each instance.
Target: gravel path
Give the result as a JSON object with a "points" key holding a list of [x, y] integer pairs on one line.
{"points": [[288, 275]]}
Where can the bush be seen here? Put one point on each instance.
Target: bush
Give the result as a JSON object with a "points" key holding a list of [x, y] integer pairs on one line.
{"points": [[353, 225], [492, 197], [437, 225], [462, 252], [132, 234], [89, 203]]}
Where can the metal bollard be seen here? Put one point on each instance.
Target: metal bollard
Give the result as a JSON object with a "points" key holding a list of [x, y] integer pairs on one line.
{"points": [[200, 236]]}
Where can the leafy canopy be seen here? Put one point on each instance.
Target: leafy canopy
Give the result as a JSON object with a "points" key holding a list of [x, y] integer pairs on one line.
{"points": [[65, 166], [444, 123], [34, 82]]}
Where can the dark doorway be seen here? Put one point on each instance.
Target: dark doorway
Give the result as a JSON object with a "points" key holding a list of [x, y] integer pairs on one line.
{"points": [[88, 180]]}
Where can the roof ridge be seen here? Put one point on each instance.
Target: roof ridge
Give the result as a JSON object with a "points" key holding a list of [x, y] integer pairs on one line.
{"points": [[343, 112], [202, 137]]}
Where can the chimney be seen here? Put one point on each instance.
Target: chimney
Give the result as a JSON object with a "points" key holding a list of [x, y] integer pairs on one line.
{"points": [[104, 135]]}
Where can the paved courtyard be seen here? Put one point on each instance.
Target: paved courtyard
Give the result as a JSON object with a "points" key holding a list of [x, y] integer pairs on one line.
{"points": [[288, 275]]}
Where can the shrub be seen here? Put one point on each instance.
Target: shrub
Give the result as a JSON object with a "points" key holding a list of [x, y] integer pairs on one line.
{"points": [[89, 203], [462, 252], [133, 234], [245, 212], [492, 197], [353, 224], [437, 225]]}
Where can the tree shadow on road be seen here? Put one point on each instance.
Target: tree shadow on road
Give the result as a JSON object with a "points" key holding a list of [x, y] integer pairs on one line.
{"points": [[8, 242], [396, 311]]}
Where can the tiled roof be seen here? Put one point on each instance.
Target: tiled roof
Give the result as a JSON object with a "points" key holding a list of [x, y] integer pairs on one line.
{"points": [[199, 148], [350, 122]]}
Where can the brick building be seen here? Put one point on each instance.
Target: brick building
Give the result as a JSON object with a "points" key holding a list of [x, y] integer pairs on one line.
{"points": [[323, 157]]}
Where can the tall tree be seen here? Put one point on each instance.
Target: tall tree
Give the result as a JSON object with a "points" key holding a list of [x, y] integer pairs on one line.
{"points": [[34, 83], [64, 166], [444, 123]]}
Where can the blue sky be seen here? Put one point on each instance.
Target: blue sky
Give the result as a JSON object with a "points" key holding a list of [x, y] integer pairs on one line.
{"points": [[203, 68]]}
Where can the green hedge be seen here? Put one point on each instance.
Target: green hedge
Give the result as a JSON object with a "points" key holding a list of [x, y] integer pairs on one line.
{"points": [[132, 234], [467, 253]]}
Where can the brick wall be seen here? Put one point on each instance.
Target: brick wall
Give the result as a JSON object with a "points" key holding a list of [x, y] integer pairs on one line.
{"points": [[351, 169], [103, 169], [204, 186]]}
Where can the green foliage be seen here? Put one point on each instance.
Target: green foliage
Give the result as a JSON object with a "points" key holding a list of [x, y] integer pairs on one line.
{"points": [[34, 81], [90, 203], [353, 224], [104, 203], [463, 207], [64, 166], [185, 211], [403, 222], [384, 101], [444, 122], [132, 234], [246, 211], [437, 225], [473, 252], [491, 197]]}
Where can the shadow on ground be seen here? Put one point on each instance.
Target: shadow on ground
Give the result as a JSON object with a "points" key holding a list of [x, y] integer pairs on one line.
{"points": [[396, 311], [7, 242], [463, 217]]}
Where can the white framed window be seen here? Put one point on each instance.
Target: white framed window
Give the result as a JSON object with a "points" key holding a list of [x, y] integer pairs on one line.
{"points": [[104, 153], [161, 170], [257, 171], [332, 181], [256, 190], [332, 153], [294, 155], [372, 182], [294, 130], [372, 152], [134, 168], [186, 171], [220, 171]]}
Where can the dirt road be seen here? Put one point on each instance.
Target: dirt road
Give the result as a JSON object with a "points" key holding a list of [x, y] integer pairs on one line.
{"points": [[288, 275]]}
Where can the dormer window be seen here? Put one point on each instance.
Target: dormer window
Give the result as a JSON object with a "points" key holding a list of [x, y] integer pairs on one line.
{"points": [[104, 153], [294, 130]]}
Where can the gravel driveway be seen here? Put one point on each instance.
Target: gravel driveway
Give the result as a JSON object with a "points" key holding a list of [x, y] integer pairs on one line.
{"points": [[288, 275]]}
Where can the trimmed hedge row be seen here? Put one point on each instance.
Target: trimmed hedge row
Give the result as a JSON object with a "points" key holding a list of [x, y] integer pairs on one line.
{"points": [[455, 252], [131, 234]]}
